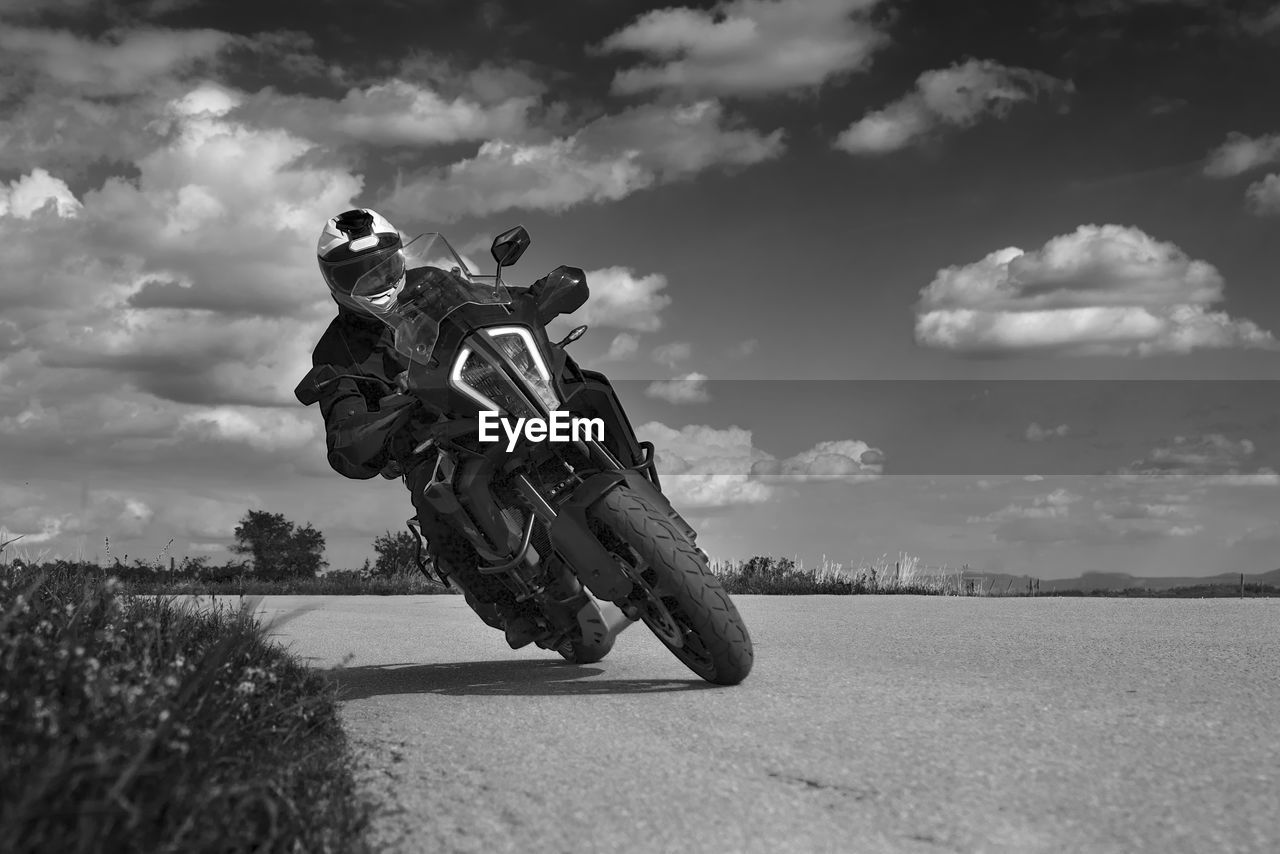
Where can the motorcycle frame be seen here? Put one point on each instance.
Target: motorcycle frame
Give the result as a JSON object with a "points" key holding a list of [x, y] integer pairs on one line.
{"points": [[464, 495]]}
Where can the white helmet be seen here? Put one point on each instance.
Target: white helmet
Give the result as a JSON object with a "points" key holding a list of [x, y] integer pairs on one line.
{"points": [[352, 244]]}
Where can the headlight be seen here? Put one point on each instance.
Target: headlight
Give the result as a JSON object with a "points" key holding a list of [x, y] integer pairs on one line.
{"points": [[486, 385], [517, 344]]}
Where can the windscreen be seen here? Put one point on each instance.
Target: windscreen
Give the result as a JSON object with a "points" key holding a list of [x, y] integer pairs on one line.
{"points": [[435, 282]]}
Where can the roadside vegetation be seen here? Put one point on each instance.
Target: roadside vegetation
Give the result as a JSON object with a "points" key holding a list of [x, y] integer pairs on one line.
{"points": [[275, 556], [132, 723], [785, 576]]}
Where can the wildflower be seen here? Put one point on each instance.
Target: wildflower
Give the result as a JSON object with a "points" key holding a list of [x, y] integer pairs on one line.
{"points": [[246, 687]]}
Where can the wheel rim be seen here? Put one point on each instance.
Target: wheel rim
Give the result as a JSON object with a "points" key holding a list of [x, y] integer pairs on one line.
{"points": [[653, 611]]}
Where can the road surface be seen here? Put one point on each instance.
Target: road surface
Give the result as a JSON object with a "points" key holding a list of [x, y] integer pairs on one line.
{"points": [[870, 723]]}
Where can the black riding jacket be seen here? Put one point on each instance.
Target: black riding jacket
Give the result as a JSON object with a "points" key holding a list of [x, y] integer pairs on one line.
{"points": [[358, 437]]}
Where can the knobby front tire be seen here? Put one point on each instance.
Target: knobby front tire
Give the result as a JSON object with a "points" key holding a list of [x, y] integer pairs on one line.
{"points": [[715, 642]]}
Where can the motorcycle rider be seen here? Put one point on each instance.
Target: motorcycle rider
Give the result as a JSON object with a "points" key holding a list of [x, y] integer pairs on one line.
{"points": [[363, 442]]}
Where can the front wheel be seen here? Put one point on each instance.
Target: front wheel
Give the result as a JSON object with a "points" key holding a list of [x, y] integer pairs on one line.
{"points": [[675, 595]]}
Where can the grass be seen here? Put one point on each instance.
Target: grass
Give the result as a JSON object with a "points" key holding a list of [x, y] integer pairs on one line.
{"points": [[340, 583], [131, 723], [784, 576]]}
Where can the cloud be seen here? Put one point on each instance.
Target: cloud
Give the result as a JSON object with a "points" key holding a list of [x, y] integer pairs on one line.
{"points": [[1129, 509], [849, 460], [672, 353], [622, 299], [1263, 195], [623, 346], [955, 97], [1241, 153], [748, 47], [264, 429], [183, 279], [32, 515], [1101, 290], [27, 194], [123, 62], [1061, 517], [388, 113], [689, 388], [706, 467], [743, 349], [1054, 505], [703, 467], [1036, 433], [204, 518], [1262, 22], [607, 160], [1210, 460]]}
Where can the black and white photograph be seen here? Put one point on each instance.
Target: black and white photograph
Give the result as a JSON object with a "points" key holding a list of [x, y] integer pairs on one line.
{"points": [[596, 425]]}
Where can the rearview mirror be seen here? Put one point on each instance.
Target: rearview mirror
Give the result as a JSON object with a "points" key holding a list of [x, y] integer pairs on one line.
{"points": [[563, 292], [509, 246]]}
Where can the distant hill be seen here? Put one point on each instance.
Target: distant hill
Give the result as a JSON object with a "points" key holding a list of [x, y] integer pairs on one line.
{"points": [[1108, 581]]}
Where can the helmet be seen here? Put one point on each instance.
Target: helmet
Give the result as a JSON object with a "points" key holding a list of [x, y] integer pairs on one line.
{"points": [[351, 245]]}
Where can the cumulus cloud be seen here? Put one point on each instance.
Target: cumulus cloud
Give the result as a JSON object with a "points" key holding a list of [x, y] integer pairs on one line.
{"points": [[622, 299], [1036, 433], [1213, 459], [608, 159], [748, 47], [1101, 290], [122, 62], [184, 279], [706, 467], [849, 460], [392, 112], [955, 97], [672, 353], [1263, 195], [1241, 153], [27, 194], [689, 388], [623, 346]]}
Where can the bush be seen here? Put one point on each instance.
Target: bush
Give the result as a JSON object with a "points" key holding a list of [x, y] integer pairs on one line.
{"points": [[133, 724], [396, 553]]}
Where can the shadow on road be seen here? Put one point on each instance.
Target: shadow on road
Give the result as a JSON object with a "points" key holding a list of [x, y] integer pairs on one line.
{"points": [[517, 677]]}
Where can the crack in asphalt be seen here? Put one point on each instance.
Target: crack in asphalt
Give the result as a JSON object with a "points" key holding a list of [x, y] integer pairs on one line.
{"points": [[858, 794]]}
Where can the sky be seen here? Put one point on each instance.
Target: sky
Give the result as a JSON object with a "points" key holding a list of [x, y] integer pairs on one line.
{"points": [[990, 284]]}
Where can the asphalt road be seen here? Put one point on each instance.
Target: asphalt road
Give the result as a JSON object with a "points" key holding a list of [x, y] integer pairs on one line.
{"points": [[895, 723]]}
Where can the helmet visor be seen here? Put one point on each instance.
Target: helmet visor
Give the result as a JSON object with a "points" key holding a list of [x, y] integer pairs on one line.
{"points": [[374, 274]]}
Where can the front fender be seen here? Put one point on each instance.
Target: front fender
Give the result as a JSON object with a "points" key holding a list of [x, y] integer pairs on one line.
{"points": [[641, 484]]}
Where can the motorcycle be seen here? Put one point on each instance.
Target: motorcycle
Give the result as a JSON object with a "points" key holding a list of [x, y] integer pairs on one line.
{"points": [[565, 525]]}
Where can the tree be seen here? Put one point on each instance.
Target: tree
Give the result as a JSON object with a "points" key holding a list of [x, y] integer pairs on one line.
{"points": [[279, 548], [395, 553]]}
